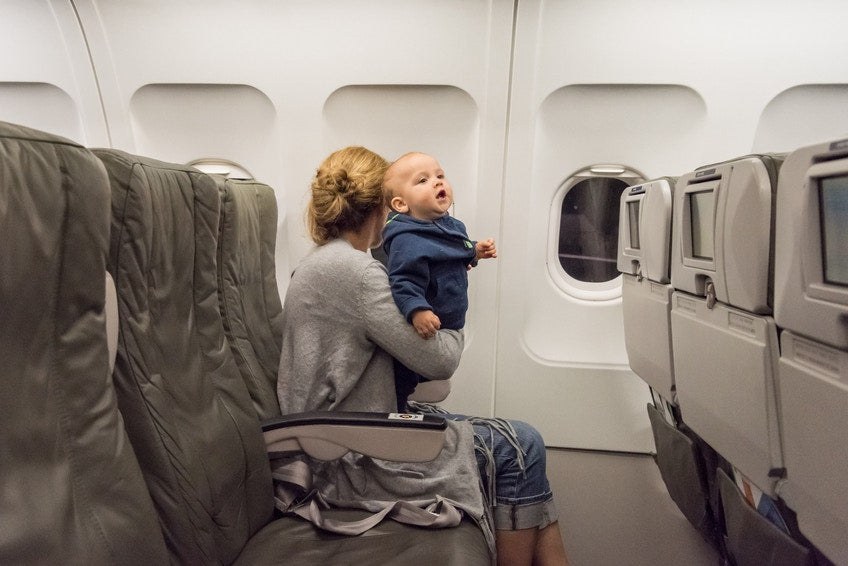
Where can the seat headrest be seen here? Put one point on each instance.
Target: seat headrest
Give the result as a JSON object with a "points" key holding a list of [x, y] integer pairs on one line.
{"points": [[723, 217], [644, 229], [811, 271]]}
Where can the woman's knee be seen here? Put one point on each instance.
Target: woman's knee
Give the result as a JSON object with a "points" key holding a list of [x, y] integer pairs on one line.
{"points": [[531, 442]]}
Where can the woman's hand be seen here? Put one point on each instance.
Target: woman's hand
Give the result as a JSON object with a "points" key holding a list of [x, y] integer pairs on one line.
{"points": [[426, 323]]}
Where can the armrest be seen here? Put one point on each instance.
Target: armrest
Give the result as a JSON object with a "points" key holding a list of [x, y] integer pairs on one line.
{"points": [[399, 437]]}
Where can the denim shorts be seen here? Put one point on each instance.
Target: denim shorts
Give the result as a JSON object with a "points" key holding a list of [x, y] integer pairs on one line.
{"points": [[512, 461]]}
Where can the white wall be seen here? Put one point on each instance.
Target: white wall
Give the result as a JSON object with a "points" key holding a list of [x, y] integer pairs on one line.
{"points": [[276, 86], [660, 86], [46, 78], [512, 97]]}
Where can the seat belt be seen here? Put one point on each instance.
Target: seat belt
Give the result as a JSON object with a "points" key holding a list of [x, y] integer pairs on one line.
{"points": [[294, 493]]}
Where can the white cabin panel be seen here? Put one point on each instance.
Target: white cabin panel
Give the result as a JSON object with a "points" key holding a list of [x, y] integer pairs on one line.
{"points": [[803, 115], [276, 86], [658, 87], [236, 120], [577, 126], [46, 80], [440, 120]]}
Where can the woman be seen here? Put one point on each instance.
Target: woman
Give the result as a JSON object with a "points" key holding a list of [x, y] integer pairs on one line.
{"points": [[341, 329]]}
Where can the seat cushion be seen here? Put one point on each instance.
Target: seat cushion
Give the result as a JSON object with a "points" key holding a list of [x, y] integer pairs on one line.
{"points": [[386, 544]]}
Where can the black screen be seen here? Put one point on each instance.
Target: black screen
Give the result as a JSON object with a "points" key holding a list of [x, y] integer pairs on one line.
{"points": [[702, 223], [833, 204], [633, 218]]}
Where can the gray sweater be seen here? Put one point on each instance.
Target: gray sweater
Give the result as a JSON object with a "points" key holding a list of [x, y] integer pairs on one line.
{"points": [[341, 328]]}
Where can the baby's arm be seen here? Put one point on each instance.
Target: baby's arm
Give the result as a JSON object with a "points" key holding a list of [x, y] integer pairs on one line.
{"points": [[409, 276], [426, 323], [485, 250]]}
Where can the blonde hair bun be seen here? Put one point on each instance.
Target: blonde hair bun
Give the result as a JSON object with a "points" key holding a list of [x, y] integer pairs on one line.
{"points": [[346, 189]]}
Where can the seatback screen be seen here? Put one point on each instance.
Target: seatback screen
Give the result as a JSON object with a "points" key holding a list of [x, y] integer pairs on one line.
{"points": [[702, 223], [633, 219], [833, 204]]}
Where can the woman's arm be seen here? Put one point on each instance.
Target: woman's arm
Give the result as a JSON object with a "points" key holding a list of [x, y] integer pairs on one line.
{"points": [[436, 358]]}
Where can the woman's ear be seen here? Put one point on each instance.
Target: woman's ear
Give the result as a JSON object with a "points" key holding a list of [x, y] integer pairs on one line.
{"points": [[399, 205]]}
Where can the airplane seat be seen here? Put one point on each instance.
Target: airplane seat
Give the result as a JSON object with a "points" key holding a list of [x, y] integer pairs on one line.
{"points": [[723, 333], [644, 244], [188, 412], [644, 253], [811, 309], [251, 310], [71, 490]]}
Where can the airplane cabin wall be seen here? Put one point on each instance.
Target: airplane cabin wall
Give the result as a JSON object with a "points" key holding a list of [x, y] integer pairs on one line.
{"points": [[46, 78], [511, 97], [661, 87], [277, 86]]}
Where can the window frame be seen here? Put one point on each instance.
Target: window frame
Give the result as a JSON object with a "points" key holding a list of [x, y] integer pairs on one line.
{"points": [[588, 291], [220, 166]]}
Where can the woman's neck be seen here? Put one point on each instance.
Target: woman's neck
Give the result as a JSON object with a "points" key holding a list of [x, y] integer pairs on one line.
{"points": [[357, 239]]}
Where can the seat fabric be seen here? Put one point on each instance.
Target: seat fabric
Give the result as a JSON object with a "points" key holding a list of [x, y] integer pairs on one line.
{"points": [[187, 412], [251, 309], [71, 490], [388, 544]]}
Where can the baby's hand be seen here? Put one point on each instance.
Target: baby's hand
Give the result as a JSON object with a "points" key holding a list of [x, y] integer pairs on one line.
{"points": [[486, 249], [426, 323]]}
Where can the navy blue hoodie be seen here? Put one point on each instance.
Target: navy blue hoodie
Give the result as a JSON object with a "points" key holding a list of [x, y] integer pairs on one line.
{"points": [[427, 264]]}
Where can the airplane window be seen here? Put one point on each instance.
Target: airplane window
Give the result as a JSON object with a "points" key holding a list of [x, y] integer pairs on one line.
{"points": [[224, 167], [587, 245]]}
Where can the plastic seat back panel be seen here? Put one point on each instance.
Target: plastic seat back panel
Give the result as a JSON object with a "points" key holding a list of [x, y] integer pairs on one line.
{"points": [[725, 361], [648, 343], [814, 406]]}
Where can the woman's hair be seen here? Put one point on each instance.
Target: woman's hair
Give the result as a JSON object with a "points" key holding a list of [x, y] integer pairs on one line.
{"points": [[346, 190]]}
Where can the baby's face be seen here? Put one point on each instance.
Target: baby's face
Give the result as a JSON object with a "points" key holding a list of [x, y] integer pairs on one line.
{"points": [[420, 187]]}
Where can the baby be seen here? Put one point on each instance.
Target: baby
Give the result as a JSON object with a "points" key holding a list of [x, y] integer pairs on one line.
{"points": [[429, 253]]}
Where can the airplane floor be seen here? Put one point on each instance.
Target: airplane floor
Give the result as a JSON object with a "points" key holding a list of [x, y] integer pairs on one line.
{"points": [[642, 525]]}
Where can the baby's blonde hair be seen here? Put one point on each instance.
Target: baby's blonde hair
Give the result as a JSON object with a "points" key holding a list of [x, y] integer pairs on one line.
{"points": [[389, 186], [347, 188]]}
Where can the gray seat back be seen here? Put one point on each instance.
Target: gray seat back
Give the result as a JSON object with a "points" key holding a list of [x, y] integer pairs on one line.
{"points": [[644, 245], [186, 409], [71, 490], [251, 309], [811, 308], [724, 338]]}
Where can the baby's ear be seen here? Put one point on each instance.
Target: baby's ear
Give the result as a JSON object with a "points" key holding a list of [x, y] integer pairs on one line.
{"points": [[399, 205]]}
